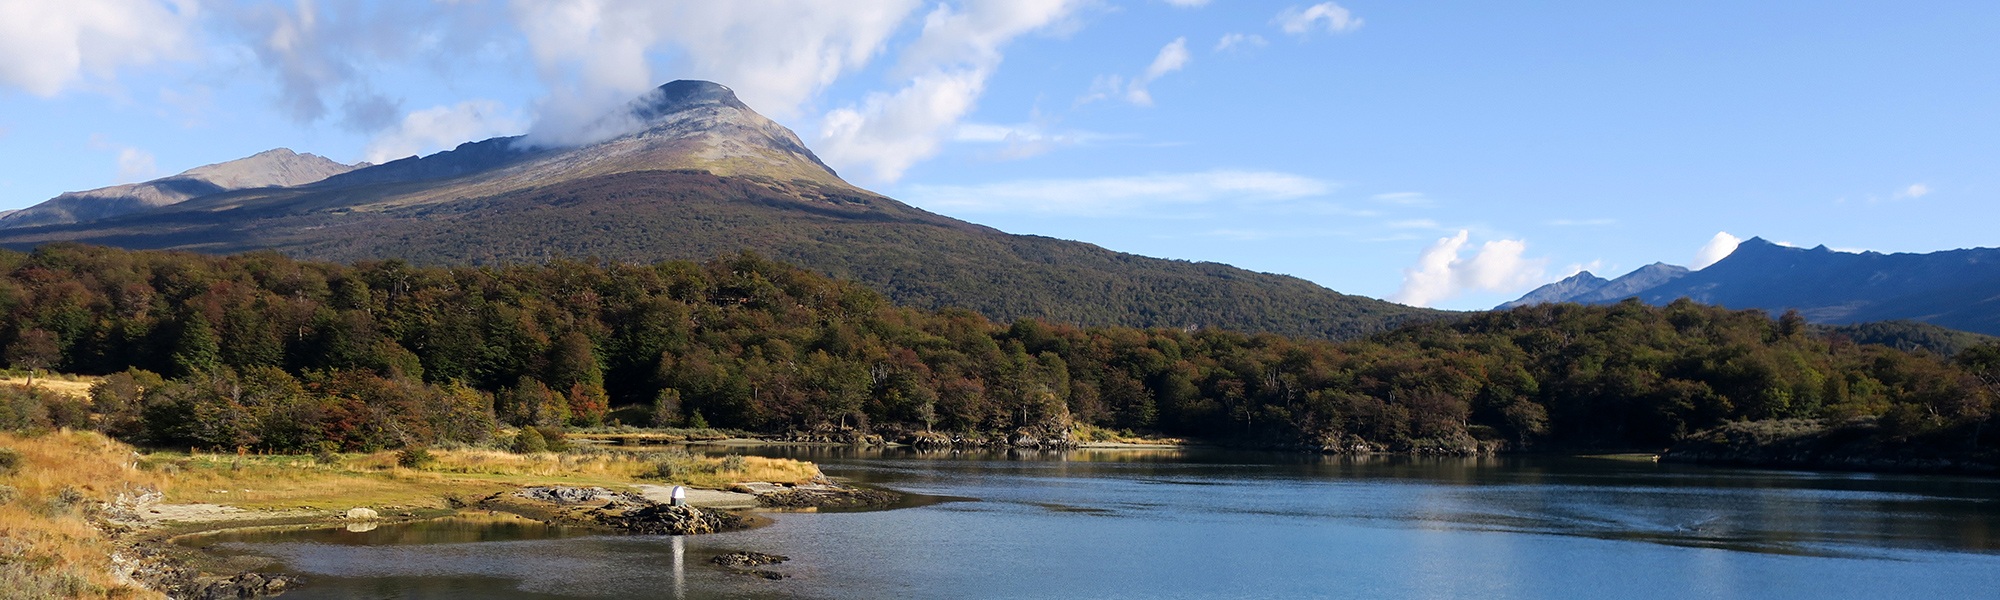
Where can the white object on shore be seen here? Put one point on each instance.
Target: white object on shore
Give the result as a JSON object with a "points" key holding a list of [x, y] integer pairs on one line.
{"points": [[360, 513], [679, 497]]}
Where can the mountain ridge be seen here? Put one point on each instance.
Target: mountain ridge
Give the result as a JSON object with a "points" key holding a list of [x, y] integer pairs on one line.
{"points": [[1958, 289], [692, 173]]}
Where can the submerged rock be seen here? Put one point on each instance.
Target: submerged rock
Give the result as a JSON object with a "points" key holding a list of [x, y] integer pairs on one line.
{"points": [[748, 559], [247, 585]]}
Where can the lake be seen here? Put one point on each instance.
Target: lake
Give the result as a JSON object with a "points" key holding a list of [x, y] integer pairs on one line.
{"points": [[1223, 524]]}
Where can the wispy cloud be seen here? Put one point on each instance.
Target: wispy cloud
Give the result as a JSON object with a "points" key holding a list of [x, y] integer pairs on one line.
{"points": [[1914, 191], [442, 127], [948, 65], [1414, 224], [1023, 140], [1118, 195], [133, 163], [1238, 41], [1325, 17], [1173, 57]]}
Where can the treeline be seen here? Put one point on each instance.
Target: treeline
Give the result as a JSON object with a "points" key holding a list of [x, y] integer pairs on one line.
{"points": [[263, 351]]}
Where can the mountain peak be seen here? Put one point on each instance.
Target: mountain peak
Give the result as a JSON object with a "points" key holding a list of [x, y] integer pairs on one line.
{"points": [[682, 95]]}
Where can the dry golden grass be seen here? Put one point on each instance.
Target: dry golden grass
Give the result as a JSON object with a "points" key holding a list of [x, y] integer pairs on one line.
{"points": [[67, 385], [48, 548], [375, 480]]}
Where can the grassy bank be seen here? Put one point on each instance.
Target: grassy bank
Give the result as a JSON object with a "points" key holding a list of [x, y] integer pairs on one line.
{"points": [[53, 485], [386, 480], [55, 540]]}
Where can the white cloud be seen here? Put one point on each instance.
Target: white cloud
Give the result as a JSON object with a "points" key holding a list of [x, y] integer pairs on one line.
{"points": [[1239, 40], [948, 64], [133, 164], [47, 46], [1173, 57], [596, 55], [1188, 3], [1441, 273], [1414, 224], [442, 127], [1914, 191], [1117, 195], [136, 165], [1325, 16], [1715, 250]]}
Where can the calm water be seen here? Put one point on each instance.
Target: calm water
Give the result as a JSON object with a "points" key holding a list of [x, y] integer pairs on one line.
{"points": [[1170, 524]]}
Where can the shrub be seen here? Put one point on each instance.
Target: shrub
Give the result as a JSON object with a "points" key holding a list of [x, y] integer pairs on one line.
{"points": [[414, 457], [734, 463], [529, 441], [9, 459]]}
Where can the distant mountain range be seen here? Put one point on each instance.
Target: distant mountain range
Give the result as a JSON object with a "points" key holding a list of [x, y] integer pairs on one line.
{"points": [[271, 168], [685, 172], [1958, 289]]}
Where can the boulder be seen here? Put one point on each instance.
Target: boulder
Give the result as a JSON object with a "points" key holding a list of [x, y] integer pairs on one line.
{"points": [[361, 514]]}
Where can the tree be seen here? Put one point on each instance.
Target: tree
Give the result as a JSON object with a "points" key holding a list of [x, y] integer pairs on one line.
{"points": [[34, 350]]}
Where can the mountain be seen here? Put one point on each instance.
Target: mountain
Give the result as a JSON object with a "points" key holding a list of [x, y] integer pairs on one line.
{"points": [[1584, 288], [1561, 291], [272, 168], [1957, 289], [1632, 284], [689, 172]]}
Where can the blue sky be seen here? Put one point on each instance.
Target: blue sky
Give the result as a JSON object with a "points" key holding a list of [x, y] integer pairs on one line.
{"points": [[1446, 154]]}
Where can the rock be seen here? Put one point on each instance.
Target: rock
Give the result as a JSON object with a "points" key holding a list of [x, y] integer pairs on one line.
{"points": [[827, 496], [748, 559], [247, 585], [567, 495], [771, 575], [360, 514], [662, 519]]}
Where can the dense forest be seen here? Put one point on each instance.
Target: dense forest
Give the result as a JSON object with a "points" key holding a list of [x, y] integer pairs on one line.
{"points": [[267, 352]]}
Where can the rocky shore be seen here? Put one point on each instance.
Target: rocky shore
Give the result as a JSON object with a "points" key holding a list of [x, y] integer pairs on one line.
{"points": [[1815, 444]]}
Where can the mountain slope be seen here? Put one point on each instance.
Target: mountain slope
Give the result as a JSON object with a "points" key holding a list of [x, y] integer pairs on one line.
{"points": [[703, 175], [272, 168], [1559, 292]]}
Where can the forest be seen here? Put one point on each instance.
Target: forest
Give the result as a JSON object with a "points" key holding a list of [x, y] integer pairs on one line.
{"points": [[266, 352]]}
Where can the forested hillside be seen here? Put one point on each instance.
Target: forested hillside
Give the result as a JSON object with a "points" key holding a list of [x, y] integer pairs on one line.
{"points": [[263, 351]]}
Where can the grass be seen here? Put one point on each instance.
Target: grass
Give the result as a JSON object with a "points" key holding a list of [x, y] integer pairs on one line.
{"points": [[68, 385], [377, 481], [54, 481]]}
